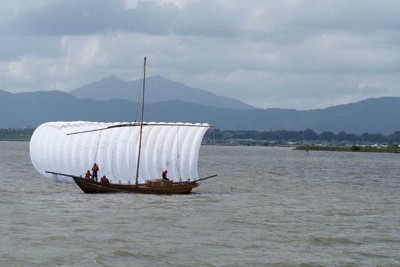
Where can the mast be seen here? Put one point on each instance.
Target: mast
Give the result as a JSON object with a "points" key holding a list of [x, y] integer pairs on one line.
{"points": [[141, 121]]}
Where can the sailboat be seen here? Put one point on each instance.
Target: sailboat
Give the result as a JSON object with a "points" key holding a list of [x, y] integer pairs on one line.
{"points": [[140, 149]]}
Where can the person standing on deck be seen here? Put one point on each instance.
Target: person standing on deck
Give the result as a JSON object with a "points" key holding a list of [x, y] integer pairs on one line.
{"points": [[95, 169]]}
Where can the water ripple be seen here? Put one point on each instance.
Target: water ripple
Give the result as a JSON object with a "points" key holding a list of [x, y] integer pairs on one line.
{"points": [[267, 207]]}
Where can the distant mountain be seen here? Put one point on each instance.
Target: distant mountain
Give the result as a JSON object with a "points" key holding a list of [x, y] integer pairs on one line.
{"points": [[157, 89], [380, 115], [32, 109]]}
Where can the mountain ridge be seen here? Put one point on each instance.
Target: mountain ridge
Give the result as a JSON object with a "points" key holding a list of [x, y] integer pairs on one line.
{"points": [[373, 115], [158, 89]]}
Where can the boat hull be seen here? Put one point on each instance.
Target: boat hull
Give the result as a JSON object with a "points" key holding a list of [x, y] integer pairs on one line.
{"points": [[90, 186]]}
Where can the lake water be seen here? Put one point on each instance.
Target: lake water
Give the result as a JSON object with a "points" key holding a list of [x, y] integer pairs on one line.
{"points": [[267, 207]]}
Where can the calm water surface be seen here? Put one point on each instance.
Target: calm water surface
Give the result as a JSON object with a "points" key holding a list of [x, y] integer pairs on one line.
{"points": [[267, 207]]}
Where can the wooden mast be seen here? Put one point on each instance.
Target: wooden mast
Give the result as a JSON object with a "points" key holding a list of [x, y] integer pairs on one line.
{"points": [[141, 122]]}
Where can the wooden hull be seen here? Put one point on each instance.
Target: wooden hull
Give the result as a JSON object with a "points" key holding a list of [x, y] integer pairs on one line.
{"points": [[162, 188]]}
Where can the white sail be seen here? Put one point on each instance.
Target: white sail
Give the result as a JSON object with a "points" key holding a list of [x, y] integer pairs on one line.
{"points": [[174, 147]]}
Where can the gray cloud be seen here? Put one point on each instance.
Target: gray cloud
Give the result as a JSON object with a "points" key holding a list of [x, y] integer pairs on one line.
{"points": [[289, 54]]}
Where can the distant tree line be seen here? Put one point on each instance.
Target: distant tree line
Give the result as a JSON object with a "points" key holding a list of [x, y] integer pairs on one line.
{"points": [[216, 135], [297, 136], [16, 133]]}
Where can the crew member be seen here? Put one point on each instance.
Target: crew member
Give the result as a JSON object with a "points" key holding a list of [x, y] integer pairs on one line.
{"points": [[95, 169], [104, 180], [164, 175], [88, 175]]}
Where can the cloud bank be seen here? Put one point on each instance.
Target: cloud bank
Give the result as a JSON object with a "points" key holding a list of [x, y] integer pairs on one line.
{"points": [[299, 54]]}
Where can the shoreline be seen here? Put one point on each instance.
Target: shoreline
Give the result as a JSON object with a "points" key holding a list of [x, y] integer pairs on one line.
{"points": [[354, 148]]}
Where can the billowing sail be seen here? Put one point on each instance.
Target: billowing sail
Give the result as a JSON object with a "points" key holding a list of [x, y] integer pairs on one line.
{"points": [[73, 147]]}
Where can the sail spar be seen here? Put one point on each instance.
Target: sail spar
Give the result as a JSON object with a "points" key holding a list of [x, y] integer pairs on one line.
{"points": [[114, 146]]}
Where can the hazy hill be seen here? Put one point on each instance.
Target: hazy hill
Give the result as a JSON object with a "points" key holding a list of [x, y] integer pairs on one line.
{"points": [[380, 115], [157, 89]]}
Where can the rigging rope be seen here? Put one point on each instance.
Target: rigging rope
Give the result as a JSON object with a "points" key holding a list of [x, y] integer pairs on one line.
{"points": [[178, 162], [139, 93], [97, 147]]}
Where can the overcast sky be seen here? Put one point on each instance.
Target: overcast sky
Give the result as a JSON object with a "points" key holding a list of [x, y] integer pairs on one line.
{"points": [[301, 54]]}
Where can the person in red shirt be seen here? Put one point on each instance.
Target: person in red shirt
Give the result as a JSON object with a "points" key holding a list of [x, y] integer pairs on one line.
{"points": [[88, 175], [95, 169], [104, 180], [164, 175]]}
